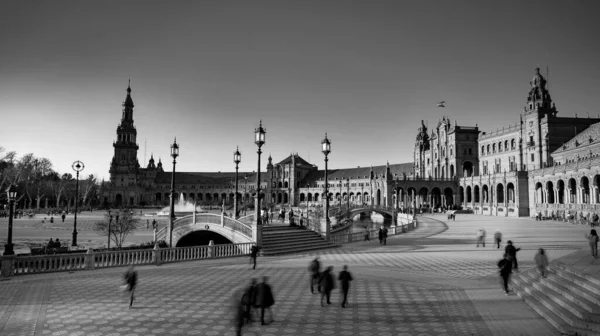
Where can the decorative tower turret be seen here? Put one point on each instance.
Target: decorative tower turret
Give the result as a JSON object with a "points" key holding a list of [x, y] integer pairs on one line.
{"points": [[124, 165], [270, 178], [422, 145]]}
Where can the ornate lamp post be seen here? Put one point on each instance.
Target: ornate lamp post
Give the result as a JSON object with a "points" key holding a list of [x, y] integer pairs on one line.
{"points": [[325, 223], [245, 193], [77, 167], [237, 158], [174, 155], [259, 140], [12, 196]]}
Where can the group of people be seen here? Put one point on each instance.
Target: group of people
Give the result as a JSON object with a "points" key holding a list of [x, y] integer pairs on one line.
{"points": [[481, 234], [253, 301], [325, 282], [53, 243]]}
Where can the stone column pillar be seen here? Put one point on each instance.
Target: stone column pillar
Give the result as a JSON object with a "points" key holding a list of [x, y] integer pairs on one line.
{"points": [[7, 266]]}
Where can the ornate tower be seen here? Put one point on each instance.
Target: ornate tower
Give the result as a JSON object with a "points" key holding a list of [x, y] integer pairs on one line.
{"points": [[539, 106], [270, 179], [421, 146], [124, 166]]}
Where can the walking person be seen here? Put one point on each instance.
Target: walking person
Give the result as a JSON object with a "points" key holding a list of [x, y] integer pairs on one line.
{"points": [[541, 260], [593, 241], [63, 217], [253, 254], [367, 234], [381, 235], [385, 234], [497, 237], [314, 270], [345, 277], [131, 282], [481, 237], [327, 284], [247, 298], [238, 308], [505, 266], [264, 299], [511, 252]]}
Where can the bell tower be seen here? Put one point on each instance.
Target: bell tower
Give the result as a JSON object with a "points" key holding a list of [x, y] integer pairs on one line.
{"points": [[421, 147], [124, 165]]}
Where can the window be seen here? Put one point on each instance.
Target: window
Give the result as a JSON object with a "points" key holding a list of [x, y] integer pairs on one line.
{"points": [[482, 150], [494, 148], [531, 138], [513, 144], [500, 147], [532, 157], [470, 150]]}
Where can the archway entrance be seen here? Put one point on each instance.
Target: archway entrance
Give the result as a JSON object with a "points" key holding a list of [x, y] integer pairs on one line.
{"points": [[119, 200]]}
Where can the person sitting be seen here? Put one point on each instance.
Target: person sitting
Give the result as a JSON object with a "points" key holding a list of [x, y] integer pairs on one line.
{"points": [[50, 244], [57, 243]]}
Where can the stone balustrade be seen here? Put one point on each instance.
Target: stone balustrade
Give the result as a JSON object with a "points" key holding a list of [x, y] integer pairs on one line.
{"points": [[345, 237], [20, 265]]}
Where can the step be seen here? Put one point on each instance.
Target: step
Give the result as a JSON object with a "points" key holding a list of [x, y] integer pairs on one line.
{"points": [[290, 234], [573, 292], [593, 280], [549, 315], [287, 251], [295, 244], [578, 279], [571, 319], [290, 241]]}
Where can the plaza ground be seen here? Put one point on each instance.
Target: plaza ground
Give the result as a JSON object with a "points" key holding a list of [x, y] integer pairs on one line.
{"points": [[432, 281]]}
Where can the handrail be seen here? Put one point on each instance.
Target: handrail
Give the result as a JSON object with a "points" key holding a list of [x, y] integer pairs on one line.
{"points": [[92, 260]]}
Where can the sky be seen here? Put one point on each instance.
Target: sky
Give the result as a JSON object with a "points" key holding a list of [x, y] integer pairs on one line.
{"points": [[364, 72]]}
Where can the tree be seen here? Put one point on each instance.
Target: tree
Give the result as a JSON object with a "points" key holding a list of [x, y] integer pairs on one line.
{"points": [[87, 189], [119, 230]]}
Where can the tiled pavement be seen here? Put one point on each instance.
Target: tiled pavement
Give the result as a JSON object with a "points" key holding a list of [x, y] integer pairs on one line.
{"points": [[408, 287]]}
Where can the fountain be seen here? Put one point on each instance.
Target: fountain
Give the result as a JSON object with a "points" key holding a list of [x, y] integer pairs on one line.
{"points": [[181, 208]]}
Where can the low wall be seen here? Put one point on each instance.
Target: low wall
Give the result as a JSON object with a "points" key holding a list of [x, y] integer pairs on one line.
{"points": [[352, 237], [19, 265]]}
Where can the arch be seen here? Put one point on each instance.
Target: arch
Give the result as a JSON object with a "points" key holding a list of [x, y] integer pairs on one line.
{"points": [[499, 193], [202, 238], [451, 171], [467, 168], [572, 190], [461, 195], [585, 190], [550, 192], [482, 150], [493, 148], [560, 186], [309, 197], [449, 197], [286, 185], [469, 194], [539, 195], [158, 197], [500, 146], [208, 197], [199, 197], [316, 197], [119, 200], [280, 185], [510, 192], [436, 197], [513, 144], [488, 149], [279, 198], [485, 195], [301, 197], [506, 148], [378, 198], [285, 198], [596, 182], [231, 198], [215, 197], [476, 194], [223, 197]]}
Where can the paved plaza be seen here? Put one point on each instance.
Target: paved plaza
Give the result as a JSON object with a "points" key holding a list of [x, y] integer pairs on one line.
{"points": [[432, 281]]}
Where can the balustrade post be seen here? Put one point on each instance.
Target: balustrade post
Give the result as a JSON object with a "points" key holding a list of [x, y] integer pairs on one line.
{"points": [[90, 259], [156, 257], [7, 266], [211, 250]]}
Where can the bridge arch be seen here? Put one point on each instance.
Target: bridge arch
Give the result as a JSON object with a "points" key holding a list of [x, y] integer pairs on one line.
{"points": [[229, 228]]}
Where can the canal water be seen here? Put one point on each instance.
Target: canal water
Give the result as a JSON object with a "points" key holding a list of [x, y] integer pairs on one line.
{"points": [[374, 221]]}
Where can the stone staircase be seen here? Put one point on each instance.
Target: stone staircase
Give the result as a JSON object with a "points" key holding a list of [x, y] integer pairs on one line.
{"points": [[291, 239], [569, 301]]}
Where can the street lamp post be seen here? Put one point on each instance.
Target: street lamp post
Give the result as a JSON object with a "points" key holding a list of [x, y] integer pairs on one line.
{"points": [[259, 140], [245, 193], [77, 167], [12, 196], [237, 158], [174, 155], [325, 223], [348, 194]]}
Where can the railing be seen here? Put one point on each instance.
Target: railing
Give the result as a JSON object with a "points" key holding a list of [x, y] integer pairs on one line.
{"points": [[238, 226], [349, 237], [247, 219], [92, 260]]}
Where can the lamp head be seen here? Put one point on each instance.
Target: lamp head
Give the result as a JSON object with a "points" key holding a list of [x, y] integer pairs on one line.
{"points": [[12, 192], [237, 156], [326, 146], [259, 135], [175, 149]]}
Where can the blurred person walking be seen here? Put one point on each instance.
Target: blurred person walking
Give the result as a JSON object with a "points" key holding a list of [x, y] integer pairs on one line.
{"points": [[327, 284], [131, 278], [505, 266], [541, 260], [511, 252], [593, 241], [314, 269], [264, 299], [345, 277]]}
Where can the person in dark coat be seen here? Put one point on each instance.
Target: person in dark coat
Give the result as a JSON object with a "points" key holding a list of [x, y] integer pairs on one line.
{"points": [[327, 284], [131, 281], [238, 307], [511, 252], [385, 234], [382, 235], [253, 254], [63, 217], [263, 299], [247, 300], [345, 277], [314, 269], [57, 243], [505, 266]]}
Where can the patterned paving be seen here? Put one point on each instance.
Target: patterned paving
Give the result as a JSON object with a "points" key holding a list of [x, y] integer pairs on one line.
{"points": [[398, 290]]}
